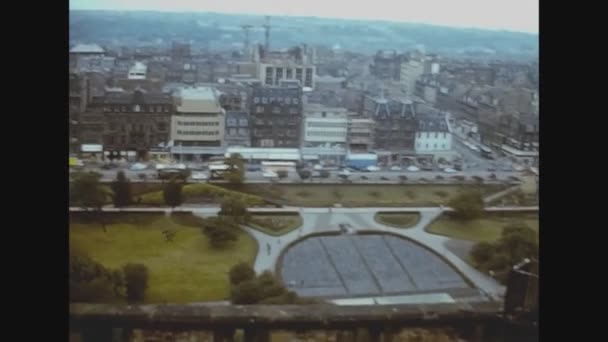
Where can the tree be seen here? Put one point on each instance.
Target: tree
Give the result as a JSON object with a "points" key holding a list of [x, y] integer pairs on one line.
{"points": [[89, 281], [282, 174], [236, 209], [324, 174], [467, 205], [88, 193], [136, 281], [516, 243], [172, 193], [304, 174], [246, 292], [121, 188], [241, 272], [236, 169], [221, 231]]}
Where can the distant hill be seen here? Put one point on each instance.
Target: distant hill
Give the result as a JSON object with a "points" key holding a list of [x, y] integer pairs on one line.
{"points": [[222, 31]]}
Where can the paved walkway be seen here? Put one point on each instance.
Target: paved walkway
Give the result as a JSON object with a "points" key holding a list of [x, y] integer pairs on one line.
{"points": [[328, 219]]}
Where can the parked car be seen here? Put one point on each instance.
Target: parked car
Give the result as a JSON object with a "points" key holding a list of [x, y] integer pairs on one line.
{"points": [[199, 176], [413, 168], [372, 168], [427, 168], [395, 168], [254, 168], [138, 167], [449, 170]]}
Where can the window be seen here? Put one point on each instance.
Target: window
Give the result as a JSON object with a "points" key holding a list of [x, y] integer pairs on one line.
{"points": [[259, 109], [264, 100], [288, 100], [296, 101], [136, 108], [159, 108], [436, 135], [427, 146], [243, 122], [435, 147], [443, 146], [162, 126], [256, 100]]}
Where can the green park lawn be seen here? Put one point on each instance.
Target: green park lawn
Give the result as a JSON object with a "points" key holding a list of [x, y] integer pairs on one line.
{"points": [[487, 228], [275, 224], [322, 195], [184, 270], [398, 219]]}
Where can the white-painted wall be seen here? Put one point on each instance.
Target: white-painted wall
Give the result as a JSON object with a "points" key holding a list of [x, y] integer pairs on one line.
{"points": [[430, 142]]}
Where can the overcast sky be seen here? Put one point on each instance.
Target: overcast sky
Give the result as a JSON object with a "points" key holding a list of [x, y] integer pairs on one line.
{"points": [[515, 15]]}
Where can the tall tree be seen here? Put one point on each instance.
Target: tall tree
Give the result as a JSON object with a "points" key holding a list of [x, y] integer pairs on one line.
{"points": [[90, 281], [122, 190], [172, 193], [88, 193], [136, 281], [236, 169], [467, 205]]}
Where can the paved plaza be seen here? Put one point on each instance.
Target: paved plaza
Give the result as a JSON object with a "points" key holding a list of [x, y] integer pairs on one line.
{"points": [[365, 265]]}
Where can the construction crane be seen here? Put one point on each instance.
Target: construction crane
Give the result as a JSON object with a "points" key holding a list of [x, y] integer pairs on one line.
{"points": [[246, 29], [267, 34]]}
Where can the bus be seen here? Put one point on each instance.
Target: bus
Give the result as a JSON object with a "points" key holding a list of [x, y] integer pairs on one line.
{"points": [[486, 152]]}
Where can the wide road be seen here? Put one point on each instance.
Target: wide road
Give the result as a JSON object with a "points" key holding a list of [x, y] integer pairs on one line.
{"points": [[388, 177]]}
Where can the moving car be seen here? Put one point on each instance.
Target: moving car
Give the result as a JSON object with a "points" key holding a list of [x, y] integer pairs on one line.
{"points": [[449, 170]]}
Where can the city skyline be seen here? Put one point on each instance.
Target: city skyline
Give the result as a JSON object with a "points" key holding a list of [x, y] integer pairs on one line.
{"points": [[515, 15]]}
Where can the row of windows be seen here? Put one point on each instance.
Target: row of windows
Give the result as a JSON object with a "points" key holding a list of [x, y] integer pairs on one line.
{"points": [[327, 124], [198, 132], [198, 123], [265, 100], [434, 146], [276, 110], [136, 108], [113, 126], [325, 134], [428, 135]]}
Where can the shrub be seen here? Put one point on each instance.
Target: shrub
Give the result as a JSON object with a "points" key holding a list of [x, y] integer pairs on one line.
{"points": [[374, 193], [303, 193], [441, 194], [282, 174], [337, 194], [467, 205], [241, 272], [221, 231], [136, 281]]}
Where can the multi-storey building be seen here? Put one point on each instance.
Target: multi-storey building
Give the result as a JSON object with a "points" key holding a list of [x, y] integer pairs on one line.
{"points": [[411, 70], [237, 129], [272, 72], [198, 126], [128, 124], [395, 123], [387, 65], [275, 116], [360, 134], [433, 135], [324, 133]]}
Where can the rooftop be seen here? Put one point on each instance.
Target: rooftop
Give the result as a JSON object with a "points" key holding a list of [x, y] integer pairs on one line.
{"points": [[87, 48]]}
